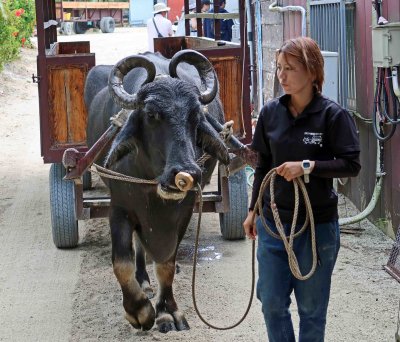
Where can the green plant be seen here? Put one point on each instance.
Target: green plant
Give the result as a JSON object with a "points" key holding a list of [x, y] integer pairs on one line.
{"points": [[17, 20], [9, 45], [23, 12]]}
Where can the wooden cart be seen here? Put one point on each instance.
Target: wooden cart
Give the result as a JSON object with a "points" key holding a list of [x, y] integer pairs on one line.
{"points": [[62, 70]]}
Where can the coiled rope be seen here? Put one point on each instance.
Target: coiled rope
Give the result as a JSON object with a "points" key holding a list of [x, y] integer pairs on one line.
{"points": [[269, 179]]}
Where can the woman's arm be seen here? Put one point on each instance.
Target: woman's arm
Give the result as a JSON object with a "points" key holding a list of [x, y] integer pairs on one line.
{"points": [[263, 167], [346, 165]]}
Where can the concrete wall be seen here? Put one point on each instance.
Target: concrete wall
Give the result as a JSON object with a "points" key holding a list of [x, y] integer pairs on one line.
{"points": [[272, 38]]}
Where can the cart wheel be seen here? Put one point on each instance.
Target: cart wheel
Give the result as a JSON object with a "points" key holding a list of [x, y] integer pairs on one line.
{"points": [[87, 180], [62, 204], [107, 25], [67, 28], [80, 27], [231, 223]]}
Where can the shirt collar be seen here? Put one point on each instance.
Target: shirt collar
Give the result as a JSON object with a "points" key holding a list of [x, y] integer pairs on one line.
{"points": [[314, 106]]}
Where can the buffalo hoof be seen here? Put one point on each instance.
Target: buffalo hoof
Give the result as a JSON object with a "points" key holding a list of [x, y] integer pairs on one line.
{"points": [[143, 318], [165, 323], [180, 321], [171, 322]]}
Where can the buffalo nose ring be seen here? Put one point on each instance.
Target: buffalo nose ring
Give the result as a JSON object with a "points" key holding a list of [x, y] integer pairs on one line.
{"points": [[184, 181]]}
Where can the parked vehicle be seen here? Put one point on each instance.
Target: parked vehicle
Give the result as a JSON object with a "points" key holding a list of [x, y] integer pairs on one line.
{"points": [[79, 16]]}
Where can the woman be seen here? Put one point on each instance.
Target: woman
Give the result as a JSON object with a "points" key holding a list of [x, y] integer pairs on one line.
{"points": [[305, 134]]}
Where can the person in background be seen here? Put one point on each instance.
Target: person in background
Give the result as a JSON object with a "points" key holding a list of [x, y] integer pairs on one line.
{"points": [[302, 133], [226, 24], [180, 31], [158, 26], [205, 6]]}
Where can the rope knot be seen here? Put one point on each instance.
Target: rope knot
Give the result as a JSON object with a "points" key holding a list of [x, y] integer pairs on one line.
{"points": [[120, 118], [227, 131]]}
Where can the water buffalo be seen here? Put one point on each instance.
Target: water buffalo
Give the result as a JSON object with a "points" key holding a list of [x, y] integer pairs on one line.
{"points": [[168, 129]]}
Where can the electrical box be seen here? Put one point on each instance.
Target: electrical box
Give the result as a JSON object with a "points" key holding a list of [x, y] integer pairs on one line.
{"points": [[236, 33], [386, 45], [330, 87]]}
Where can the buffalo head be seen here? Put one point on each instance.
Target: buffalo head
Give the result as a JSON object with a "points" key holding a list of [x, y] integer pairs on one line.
{"points": [[167, 129]]}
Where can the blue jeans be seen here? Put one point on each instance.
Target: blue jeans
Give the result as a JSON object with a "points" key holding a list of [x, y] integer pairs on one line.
{"points": [[276, 282]]}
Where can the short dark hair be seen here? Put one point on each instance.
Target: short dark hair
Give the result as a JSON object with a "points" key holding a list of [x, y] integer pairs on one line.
{"points": [[205, 2]]}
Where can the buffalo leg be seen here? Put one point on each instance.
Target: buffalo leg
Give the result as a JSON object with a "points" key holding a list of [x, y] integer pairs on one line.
{"points": [[139, 311], [141, 273], [168, 317]]}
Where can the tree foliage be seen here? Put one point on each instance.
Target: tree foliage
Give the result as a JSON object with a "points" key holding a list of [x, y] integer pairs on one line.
{"points": [[17, 21]]}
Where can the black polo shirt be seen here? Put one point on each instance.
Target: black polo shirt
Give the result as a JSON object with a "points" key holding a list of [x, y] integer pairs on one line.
{"points": [[323, 132]]}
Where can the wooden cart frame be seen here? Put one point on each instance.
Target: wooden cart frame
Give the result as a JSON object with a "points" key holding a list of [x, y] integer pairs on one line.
{"points": [[62, 70]]}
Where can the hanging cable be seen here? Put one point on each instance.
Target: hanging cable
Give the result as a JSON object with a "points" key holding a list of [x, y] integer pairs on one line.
{"points": [[385, 102]]}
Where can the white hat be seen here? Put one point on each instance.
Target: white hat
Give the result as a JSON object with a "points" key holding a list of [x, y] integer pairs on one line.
{"points": [[160, 7]]}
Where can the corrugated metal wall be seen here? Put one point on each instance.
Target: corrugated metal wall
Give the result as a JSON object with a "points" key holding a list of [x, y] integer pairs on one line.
{"points": [[328, 28]]}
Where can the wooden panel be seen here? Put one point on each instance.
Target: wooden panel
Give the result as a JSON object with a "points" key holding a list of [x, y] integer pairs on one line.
{"points": [[95, 5], [67, 111], [168, 46], [230, 79], [57, 105], [76, 109], [64, 48]]}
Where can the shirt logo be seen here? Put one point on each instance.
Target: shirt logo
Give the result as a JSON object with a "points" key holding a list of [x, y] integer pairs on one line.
{"points": [[311, 138]]}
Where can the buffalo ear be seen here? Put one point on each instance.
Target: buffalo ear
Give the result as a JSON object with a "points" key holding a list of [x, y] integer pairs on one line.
{"points": [[124, 143], [210, 141]]}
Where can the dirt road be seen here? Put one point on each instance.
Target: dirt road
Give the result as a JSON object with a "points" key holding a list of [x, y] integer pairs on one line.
{"points": [[72, 295]]}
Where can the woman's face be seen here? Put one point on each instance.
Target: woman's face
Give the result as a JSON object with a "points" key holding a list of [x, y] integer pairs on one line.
{"points": [[293, 76]]}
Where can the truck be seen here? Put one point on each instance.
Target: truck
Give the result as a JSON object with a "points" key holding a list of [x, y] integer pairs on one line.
{"points": [[79, 16]]}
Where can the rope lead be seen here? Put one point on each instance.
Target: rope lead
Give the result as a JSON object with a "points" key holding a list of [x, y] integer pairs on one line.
{"points": [[288, 241], [196, 247]]}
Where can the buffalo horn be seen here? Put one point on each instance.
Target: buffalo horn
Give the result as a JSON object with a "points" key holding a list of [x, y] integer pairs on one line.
{"points": [[209, 80], [119, 71]]}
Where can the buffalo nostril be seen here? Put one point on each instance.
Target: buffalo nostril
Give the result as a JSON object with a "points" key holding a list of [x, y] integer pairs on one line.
{"points": [[184, 181]]}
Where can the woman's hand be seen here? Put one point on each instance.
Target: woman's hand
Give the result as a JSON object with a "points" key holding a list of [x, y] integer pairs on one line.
{"points": [[292, 170], [249, 225]]}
